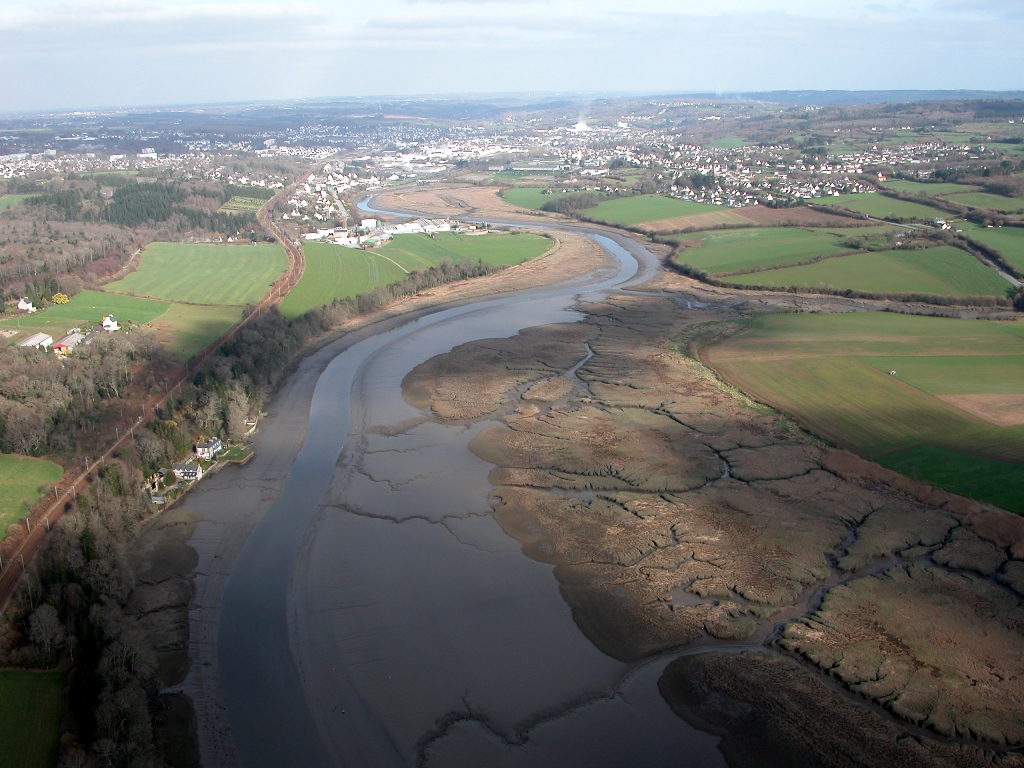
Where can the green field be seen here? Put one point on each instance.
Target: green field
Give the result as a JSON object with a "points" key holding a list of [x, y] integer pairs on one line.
{"points": [[87, 309], [736, 249], [729, 142], [976, 477], [945, 271], [831, 371], [20, 480], [6, 201], [31, 706], [243, 205], [925, 188], [627, 211], [881, 207], [335, 272], [988, 202], [530, 197], [1009, 241], [182, 329], [185, 329], [205, 274], [503, 248]]}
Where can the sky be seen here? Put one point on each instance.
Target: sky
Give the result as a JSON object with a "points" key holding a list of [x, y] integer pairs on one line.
{"points": [[110, 53]]}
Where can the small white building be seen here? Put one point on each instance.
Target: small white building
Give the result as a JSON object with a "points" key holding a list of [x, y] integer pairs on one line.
{"points": [[208, 449], [25, 305], [110, 324], [37, 340], [368, 223]]}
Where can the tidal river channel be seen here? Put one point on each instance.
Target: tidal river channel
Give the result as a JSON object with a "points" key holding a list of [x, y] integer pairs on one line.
{"points": [[378, 616]]}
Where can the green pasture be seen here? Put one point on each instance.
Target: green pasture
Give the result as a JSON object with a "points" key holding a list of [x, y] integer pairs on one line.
{"points": [[87, 309], [956, 374], [977, 477], [205, 274], [243, 205], [734, 249], [831, 372], [6, 201], [1009, 241], [20, 480], [729, 142], [989, 202], [627, 211], [31, 706], [335, 272], [182, 329], [534, 198], [945, 271], [185, 329], [926, 188], [503, 248], [881, 207]]}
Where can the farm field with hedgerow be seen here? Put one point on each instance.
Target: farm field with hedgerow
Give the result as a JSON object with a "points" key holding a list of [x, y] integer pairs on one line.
{"points": [[21, 477], [204, 274], [336, 272], [629, 211], [958, 387], [944, 271], [1009, 241], [182, 329], [881, 207], [729, 250]]}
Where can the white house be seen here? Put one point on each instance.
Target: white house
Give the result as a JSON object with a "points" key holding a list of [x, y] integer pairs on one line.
{"points": [[368, 223], [25, 305], [208, 449], [188, 470], [110, 324], [37, 340]]}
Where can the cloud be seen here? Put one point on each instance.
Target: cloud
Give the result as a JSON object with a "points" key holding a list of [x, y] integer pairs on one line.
{"points": [[102, 53]]}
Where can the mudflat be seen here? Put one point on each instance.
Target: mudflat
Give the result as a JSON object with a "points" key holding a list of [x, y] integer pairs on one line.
{"points": [[678, 512]]}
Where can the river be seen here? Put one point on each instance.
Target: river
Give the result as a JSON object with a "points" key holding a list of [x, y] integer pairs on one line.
{"points": [[378, 616]]}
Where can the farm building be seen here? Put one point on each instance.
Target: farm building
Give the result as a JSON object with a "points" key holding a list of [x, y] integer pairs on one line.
{"points": [[37, 340], [188, 470], [208, 449], [26, 306], [66, 344], [110, 324]]}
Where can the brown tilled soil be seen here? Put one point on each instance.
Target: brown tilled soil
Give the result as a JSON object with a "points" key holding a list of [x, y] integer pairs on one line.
{"points": [[797, 217], [455, 201], [770, 713], [1001, 410], [723, 218], [676, 510]]}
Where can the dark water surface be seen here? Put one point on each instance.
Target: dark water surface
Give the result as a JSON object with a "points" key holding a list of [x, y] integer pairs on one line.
{"points": [[378, 616]]}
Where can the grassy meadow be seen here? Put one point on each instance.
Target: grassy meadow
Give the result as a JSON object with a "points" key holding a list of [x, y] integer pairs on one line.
{"points": [[204, 274], [243, 205], [31, 706], [335, 272], [629, 211], [881, 207], [988, 202], [20, 480], [1009, 241], [831, 372], [6, 201], [944, 270], [182, 329], [730, 250], [529, 197], [927, 188]]}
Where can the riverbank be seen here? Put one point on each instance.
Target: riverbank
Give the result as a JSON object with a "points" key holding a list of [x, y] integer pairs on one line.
{"points": [[224, 526]]}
